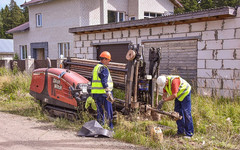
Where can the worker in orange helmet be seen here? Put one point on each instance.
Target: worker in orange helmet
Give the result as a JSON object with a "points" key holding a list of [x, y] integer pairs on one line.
{"points": [[102, 86]]}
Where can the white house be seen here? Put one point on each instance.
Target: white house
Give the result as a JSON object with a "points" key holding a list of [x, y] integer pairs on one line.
{"points": [[46, 34]]}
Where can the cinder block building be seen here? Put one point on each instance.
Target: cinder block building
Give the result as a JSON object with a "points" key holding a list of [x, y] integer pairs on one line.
{"points": [[202, 47]]}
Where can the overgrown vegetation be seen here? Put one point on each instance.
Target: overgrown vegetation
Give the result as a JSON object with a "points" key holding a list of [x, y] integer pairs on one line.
{"points": [[216, 120], [194, 5]]}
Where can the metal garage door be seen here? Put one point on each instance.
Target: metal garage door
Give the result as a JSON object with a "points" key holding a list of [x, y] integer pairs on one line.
{"points": [[178, 58], [118, 52]]}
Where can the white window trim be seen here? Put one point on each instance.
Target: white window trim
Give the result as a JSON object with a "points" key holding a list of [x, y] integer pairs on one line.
{"points": [[39, 20], [118, 15], [64, 45], [23, 48], [149, 16]]}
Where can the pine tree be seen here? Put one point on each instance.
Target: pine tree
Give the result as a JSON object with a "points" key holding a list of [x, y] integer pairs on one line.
{"points": [[188, 6], [193, 5], [17, 16], [6, 22], [25, 13], [232, 3], [1, 25], [12, 16], [206, 4]]}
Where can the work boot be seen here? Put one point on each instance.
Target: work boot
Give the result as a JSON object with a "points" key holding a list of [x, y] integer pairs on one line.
{"points": [[187, 137]]}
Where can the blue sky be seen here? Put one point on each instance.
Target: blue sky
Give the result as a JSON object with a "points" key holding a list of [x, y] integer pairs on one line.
{"points": [[3, 3]]}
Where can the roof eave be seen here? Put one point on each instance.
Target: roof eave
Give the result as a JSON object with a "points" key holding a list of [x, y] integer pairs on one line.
{"points": [[176, 3], [35, 3], [21, 28], [9, 32], [160, 21]]}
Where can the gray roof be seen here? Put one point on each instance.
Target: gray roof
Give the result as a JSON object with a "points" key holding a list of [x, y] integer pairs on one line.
{"points": [[197, 16], [20, 28], [6, 46], [36, 2]]}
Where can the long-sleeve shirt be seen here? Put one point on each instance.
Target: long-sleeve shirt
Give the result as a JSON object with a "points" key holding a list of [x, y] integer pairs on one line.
{"points": [[103, 75]]}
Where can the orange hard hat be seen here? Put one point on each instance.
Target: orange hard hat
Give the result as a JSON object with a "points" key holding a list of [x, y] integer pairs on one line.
{"points": [[105, 54]]}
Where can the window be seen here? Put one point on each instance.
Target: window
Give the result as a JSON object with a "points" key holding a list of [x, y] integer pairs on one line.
{"points": [[39, 20], [63, 49], [115, 16], [151, 15], [23, 51], [132, 18]]}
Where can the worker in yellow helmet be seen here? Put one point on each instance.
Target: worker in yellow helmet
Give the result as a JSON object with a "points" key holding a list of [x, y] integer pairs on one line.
{"points": [[178, 89], [102, 86]]}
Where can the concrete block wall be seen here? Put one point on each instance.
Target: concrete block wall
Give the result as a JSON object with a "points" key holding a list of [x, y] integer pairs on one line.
{"points": [[218, 57], [218, 46]]}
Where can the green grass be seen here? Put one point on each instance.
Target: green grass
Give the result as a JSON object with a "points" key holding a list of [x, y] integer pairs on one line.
{"points": [[216, 120]]}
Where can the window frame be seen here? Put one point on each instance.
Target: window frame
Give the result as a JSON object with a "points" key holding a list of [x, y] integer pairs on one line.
{"points": [[120, 16], [39, 20], [152, 14], [64, 49], [23, 51]]}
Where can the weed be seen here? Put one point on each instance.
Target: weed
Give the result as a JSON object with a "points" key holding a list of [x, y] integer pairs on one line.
{"points": [[216, 120]]}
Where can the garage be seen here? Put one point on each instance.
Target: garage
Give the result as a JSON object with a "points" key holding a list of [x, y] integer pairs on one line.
{"points": [[178, 58]]}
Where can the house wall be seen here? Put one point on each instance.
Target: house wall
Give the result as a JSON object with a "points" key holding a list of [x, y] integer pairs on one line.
{"points": [[133, 8], [114, 5], [218, 50], [56, 20], [156, 6]]}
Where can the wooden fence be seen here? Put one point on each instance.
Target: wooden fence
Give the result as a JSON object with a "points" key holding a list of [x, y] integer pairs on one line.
{"points": [[21, 64], [2, 63], [44, 64]]}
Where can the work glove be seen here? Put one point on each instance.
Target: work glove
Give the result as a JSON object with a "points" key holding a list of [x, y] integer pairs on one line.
{"points": [[108, 92], [90, 101], [160, 104], [109, 95]]}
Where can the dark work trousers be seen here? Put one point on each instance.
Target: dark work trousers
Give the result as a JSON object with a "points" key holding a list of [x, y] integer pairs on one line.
{"points": [[102, 102], [185, 125]]}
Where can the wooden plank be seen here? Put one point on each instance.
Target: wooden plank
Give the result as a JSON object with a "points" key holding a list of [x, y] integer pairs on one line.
{"points": [[178, 57]]}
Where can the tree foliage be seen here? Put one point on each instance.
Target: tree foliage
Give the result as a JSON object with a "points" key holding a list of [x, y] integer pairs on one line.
{"points": [[194, 5], [10, 17]]}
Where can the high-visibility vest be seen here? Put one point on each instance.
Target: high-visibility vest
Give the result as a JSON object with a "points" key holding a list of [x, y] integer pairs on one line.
{"points": [[183, 90], [97, 87]]}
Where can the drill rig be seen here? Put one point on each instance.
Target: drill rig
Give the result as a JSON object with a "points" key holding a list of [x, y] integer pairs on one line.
{"points": [[64, 91]]}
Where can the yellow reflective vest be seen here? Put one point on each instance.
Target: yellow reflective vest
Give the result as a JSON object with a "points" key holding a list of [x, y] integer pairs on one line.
{"points": [[97, 87], [183, 90]]}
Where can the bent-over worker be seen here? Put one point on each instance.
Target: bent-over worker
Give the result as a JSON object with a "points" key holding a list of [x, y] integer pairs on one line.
{"points": [[102, 86], [174, 87]]}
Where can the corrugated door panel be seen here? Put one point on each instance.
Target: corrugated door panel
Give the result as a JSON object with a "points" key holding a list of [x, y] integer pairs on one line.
{"points": [[118, 52], [178, 58]]}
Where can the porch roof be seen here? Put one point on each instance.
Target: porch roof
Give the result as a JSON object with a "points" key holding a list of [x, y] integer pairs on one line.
{"points": [[20, 28]]}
